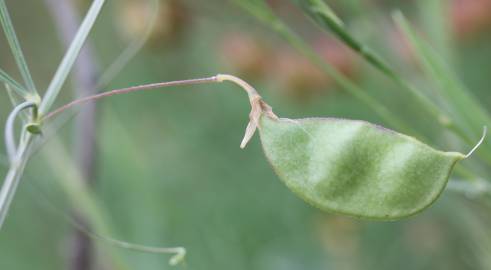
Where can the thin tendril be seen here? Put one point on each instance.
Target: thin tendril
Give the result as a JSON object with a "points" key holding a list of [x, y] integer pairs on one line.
{"points": [[484, 131], [179, 253], [9, 128]]}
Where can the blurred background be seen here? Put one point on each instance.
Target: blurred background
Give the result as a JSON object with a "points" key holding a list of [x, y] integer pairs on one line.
{"points": [[167, 168]]}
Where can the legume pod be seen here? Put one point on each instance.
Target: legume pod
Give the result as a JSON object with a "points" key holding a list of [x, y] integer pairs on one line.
{"points": [[349, 166], [354, 167]]}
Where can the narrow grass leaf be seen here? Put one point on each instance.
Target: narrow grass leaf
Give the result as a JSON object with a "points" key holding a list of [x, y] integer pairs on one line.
{"points": [[449, 84], [13, 177], [463, 104], [70, 56], [320, 13], [17, 87], [14, 44]]}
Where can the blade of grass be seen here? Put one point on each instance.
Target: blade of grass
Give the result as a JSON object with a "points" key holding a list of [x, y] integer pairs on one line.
{"points": [[320, 13], [17, 87], [437, 25], [449, 84], [70, 57], [462, 102], [13, 41]]}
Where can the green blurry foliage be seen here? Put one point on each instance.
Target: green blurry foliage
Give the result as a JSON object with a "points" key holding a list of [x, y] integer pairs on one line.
{"points": [[170, 171]]}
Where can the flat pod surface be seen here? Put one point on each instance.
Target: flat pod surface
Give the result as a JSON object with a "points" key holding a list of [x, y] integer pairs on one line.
{"points": [[354, 167]]}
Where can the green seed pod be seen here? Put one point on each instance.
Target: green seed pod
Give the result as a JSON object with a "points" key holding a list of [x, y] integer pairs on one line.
{"points": [[354, 167], [350, 167]]}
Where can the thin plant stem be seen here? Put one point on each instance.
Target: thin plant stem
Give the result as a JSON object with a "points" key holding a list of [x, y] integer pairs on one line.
{"points": [[13, 176], [460, 101], [177, 252], [137, 88], [258, 106], [322, 15]]}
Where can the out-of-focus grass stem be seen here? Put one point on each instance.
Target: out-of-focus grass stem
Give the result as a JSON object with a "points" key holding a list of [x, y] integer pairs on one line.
{"points": [[320, 13]]}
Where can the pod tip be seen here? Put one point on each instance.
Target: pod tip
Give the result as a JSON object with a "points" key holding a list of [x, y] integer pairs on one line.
{"points": [[484, 132]]}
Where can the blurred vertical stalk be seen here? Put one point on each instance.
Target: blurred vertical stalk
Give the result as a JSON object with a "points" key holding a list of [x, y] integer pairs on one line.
{"points": [[84, 82]]}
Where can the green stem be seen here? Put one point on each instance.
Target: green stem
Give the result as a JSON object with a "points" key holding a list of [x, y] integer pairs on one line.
{"points": [[128, 90], [13, 176]]}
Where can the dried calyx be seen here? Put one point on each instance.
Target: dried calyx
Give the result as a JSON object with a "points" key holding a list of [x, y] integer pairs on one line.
{"points": [[258, 106]]}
